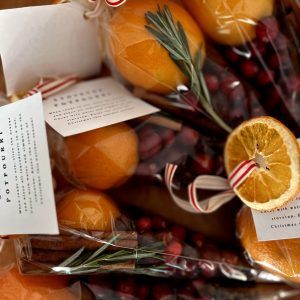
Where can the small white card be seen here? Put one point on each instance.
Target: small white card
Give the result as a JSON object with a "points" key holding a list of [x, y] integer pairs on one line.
{"points": [[27, 204], [281, 224], [50, 40], [93, 104]]}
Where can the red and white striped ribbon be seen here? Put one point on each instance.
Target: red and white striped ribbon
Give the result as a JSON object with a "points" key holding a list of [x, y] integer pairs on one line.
{"points": [[48, 87], [208, 182]]}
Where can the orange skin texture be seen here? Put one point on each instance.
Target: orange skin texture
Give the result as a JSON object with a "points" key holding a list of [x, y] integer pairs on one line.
{"points": [[136, 53], [229, 22], [278, 257], [16, 286], [103, 158], [87, 210]]}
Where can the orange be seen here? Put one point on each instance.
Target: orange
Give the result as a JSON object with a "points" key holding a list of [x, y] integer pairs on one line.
{"points": [[16, 286], [274, 148], [137, 54], [229, 22], [279, 257], [88, 210], [103, 158]]}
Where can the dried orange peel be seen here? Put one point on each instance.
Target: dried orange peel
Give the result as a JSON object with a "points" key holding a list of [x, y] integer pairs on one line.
{"points": [[273, 147]]}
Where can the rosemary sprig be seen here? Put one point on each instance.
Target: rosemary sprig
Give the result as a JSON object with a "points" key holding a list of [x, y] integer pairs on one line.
{"points": [[173, 38]]}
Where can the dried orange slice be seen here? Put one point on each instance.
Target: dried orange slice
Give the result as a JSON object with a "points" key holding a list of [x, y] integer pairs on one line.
{"points": [[274, 148]]}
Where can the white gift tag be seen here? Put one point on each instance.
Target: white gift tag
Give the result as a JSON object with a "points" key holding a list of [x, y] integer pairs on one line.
{"points": [[281, 224], [93, 104], [27, 204], [50, 40]]}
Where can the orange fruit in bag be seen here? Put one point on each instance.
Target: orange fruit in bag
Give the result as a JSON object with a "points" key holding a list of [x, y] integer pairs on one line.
{"points": [[103, 158], [229, 22], [87, 210], [276, 179], [136, 53], [279, 257], [16, 286]]}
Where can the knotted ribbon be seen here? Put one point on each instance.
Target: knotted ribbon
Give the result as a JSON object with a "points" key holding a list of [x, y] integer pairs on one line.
{"points": [[209, 182]]}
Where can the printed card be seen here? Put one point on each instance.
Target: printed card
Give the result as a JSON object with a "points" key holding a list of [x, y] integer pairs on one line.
{"points": [[27, 204], [93, 104], [50, 40], [281, 224]]}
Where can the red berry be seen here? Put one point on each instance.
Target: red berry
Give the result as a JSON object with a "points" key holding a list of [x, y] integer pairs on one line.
{"points": [[142, 291], [147, 169], [249, 68], [258, 49], [274, 96], [178, 232], [281, 43], [198, 284], [199, 239], [232, 55], [126, 286], [174, 249], [208, 269], [203, 163], [267, 30], [211, 252], [291, 84], [168, 136], [185, 292], [265, 77], [159, 223], [149, 145], [160, 291], [188, 136], [143, 224], [230, 258], [212, 82], [274, 62], [229, 83], [237, 94]]}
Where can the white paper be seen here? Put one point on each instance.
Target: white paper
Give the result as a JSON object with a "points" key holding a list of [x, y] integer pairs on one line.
{"points": [[281, 224], [27, 204], [93, 104], [50, 40]]}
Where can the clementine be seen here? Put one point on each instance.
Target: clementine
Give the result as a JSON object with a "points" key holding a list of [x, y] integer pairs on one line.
{"points": [[137, 54], [16, 286], [88, 210], [103, 158], [278, 257], [230, 22]]}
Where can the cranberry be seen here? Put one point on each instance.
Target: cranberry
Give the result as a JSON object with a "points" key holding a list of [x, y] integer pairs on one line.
{"points": [[212, 82], [267, 30], [274, 62], [237, 94], [281, 43], [210, 252], [258, 49], [199, 239], [188, 136], [229, 83], [143, 224], [249, 68], [142, 291], [145, 131], [230, 258], [149, 145], [178, 232], [159, 223], [232, 55], [186, 292], [208, 269], [274, 96], [198, 284], [174, 249], [126, 286], [291, 84], [204, 163], [161, 291], [265, 77], [168, 136]]}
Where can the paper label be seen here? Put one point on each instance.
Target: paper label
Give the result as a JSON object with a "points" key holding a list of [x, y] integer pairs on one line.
{"points": [[50, 40], [27, 204], [281, 224], [93, 104]]}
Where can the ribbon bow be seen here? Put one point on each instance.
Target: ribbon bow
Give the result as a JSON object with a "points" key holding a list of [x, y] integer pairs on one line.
{"points": [[209, 182]]}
